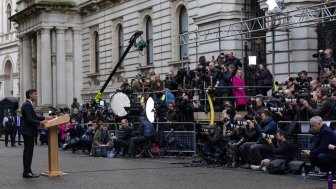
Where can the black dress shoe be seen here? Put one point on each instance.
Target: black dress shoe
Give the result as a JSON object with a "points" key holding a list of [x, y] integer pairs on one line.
{"points": [[30, 175]]}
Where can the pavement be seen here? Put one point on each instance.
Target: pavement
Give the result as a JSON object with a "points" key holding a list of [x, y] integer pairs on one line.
{"points": [[164, 173]]}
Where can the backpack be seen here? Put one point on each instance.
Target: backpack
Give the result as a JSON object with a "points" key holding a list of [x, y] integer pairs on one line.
{"points": [[277, 166]]}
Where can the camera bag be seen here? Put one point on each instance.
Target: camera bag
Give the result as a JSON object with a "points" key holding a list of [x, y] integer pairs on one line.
{"points": [[277, 166]]}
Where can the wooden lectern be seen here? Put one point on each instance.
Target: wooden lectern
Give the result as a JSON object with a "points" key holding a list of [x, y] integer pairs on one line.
{"points": [[53, 145]]}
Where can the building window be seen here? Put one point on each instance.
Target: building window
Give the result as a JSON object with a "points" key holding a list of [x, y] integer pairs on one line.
{"points": [[96, 52], [121, 44], [149, 40], [183, 31], [9, 12]]}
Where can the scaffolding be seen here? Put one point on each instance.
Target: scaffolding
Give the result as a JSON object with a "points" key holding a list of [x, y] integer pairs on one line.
{"points": [[282, 22]]}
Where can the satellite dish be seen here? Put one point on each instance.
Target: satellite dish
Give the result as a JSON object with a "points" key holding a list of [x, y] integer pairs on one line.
{"points": [[118, 103], [150, 109]]}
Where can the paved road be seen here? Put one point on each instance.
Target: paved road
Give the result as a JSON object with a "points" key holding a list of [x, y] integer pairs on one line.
{"points": [[170, 173]]}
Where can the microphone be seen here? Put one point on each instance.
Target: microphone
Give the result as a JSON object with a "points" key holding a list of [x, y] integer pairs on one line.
{"points": [[141, 45]]}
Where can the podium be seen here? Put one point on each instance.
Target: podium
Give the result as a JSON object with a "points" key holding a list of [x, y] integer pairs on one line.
{"points": [[51, 125]]}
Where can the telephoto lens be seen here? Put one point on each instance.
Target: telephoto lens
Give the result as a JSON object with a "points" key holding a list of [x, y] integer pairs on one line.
{"points": [[267, 136]]}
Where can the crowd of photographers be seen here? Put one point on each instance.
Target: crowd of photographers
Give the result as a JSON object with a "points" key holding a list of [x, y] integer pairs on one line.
{"points": [[252, 138]]}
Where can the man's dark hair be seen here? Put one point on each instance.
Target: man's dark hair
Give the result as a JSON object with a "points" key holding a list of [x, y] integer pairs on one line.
{"points": [[281, 132], [266, 112], [304, 72], [29, 92]]}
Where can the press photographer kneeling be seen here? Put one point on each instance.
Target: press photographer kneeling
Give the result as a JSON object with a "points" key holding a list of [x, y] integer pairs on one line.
{"points": [[254, 152], [213, 140], [279, 151]]}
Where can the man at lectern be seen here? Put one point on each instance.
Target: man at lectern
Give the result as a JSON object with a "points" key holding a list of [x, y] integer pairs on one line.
{"points": [[30, 122]]}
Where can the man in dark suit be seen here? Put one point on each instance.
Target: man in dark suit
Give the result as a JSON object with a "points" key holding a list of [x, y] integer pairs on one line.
{"points": [[18, 121], [320, 155], [30, 122], [124, 140]]}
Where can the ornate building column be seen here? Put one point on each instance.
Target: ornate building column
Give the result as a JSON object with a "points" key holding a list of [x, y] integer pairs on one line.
{"points": [[26, 64], [61, 84], [21, 90], [77, 74], [46, 75], [38, 65]]}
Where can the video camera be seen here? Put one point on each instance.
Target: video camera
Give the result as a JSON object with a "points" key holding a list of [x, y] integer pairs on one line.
{"points": [[54, 111], [276, 103], [319, 54], [303, 94]]}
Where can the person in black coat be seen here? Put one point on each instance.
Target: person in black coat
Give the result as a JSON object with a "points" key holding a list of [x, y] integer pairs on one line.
{"points": [[264, 78], [30, 122], [124, 140], [319, 154]]}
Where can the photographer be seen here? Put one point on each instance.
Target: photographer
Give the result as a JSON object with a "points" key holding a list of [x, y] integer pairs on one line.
{"points": [[213, 138], [123, 141], [302, 81], [225, 81], [232, 60], [248, 134], [170, 81], [320, 155], [254, 152], [125, 87], [325, 59], [256, 105], [212, 75], [137, 84], [291, 113], [185, 109], [282, 149], [329, 75], [264, 79], [323, 105]]}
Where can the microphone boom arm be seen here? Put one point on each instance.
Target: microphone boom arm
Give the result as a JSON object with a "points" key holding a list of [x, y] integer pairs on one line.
{"points": [[121, 59]]}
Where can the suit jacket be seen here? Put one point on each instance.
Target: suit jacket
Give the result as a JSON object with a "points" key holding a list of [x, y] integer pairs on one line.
{"points": [[325, 137], [16, 122], [30, 121]]}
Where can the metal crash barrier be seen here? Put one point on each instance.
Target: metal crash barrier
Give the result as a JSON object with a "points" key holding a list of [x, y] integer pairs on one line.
{"points": [[302, 139], [174, 137]]}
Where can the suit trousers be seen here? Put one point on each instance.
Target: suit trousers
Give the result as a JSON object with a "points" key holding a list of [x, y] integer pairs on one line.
{"points": [[28, 153], [18, 132]]}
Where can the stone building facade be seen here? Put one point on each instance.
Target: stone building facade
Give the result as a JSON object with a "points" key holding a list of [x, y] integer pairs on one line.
{"points": [[69, 48], [9, 66]]}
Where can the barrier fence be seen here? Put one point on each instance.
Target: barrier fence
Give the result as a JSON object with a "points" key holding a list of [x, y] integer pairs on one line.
{"points": [[184, 134], [302, 140]]}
